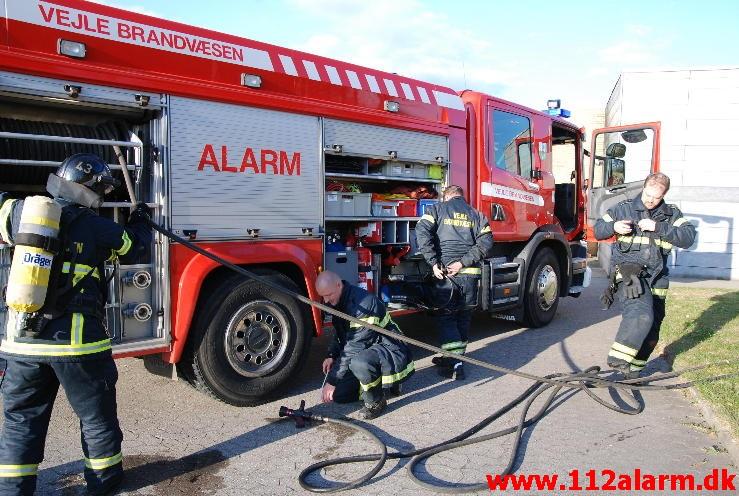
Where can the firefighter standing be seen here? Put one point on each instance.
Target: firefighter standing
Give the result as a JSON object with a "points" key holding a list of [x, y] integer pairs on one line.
{"points": [[360, 359], [646, 229], [454, 238], [69, 344]]}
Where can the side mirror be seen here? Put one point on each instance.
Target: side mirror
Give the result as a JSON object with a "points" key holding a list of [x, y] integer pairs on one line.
{"points": [[634, 136], [616, 150]]}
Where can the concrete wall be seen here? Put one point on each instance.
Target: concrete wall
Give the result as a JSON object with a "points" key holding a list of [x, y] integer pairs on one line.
{"points": [[699, 111]]}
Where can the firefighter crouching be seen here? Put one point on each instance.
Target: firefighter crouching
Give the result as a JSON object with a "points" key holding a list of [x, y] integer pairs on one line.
{"points": [[65, 341], [454, 238], [361, 362], [646, 230]]}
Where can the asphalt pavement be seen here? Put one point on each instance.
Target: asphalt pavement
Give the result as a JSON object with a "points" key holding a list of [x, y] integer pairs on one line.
{"points": [[180, 442]]}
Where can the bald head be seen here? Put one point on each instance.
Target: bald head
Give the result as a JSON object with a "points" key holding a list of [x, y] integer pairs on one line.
{"points": [[329, 286]]}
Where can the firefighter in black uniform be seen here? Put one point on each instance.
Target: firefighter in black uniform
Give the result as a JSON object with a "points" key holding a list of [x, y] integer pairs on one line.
{"points": [[646, 230], [361, 362], [454, 238], [69, 345]]}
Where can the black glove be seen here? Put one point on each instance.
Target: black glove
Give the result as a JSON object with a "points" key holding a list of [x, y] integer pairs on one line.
{"points": [[141, 213], [607, 297], [633, 287], [631, 274]]}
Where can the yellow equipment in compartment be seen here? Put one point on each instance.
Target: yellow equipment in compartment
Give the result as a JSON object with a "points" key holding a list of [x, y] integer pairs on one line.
{"points": [[28, 281]]}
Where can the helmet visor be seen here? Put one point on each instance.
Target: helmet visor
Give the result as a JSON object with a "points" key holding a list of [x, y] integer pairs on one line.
{"points": [[106, 184]]}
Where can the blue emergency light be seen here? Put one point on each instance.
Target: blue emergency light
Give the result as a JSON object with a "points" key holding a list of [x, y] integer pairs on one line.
{"points": [[553, 108]]}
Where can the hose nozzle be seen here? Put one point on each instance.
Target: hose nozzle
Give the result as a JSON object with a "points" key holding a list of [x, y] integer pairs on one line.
{"points": [[299, 416]]}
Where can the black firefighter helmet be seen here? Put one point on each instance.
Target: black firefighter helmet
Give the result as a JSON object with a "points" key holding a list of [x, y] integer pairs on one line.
{"points": [[88, 170], [82, 178]]}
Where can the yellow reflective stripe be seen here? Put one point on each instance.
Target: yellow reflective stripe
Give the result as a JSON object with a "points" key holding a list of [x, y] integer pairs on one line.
{"points": [[103, 463], [455, 346], [34, 349], [372, 384], [42, 221], [485, 229], [127, 243], [470, 270], [679, 222], [78, 322], [639, 240], [624, 349], [372, 320], [428, 218], [607, 218], [18, 470], [5, 219], [392, 378], [659, 292], [663, 244], [80, 270], [622, 356], [638, 363]]}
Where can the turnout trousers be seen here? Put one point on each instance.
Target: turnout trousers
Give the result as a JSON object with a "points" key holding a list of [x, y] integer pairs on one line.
{"points": [[367, 379], [454, 320], [29, 390], [638, 332]]}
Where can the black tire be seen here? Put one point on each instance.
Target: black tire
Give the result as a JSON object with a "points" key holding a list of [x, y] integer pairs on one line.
{"points": [[249, 341], [543, 283]]}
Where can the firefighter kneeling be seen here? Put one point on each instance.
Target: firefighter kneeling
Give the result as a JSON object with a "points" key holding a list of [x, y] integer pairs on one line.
{"points": [[361, 362], [61, 339], [646, 229]]}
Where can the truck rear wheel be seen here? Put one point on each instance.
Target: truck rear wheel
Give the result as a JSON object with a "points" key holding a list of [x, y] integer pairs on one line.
{"points": [[542, 289], [250, 343]]}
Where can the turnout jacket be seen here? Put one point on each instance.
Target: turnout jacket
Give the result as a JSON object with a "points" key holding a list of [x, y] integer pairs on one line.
{"points": [[453, 231], [351, 338], [76, 332], [646, 248]]}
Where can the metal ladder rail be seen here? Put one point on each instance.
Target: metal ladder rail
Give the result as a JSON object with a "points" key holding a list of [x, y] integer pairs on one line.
{"points": [[66, 139]]}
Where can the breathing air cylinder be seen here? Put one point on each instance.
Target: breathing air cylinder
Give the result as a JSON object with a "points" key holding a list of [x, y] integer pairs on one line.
{"points": [[30, 270]]}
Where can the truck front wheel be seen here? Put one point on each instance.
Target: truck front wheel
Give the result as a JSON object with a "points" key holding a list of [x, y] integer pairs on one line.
{"points": [[542, 289], [250, 340]]}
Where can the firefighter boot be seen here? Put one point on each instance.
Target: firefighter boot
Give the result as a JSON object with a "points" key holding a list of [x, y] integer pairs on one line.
{"points": [[455, 371], [373, 410], [625, 370], [442, 361], [108, 487], [395, 390]]}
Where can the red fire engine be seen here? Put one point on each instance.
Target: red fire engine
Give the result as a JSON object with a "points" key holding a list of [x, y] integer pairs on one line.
{"points": [[285, 163]]}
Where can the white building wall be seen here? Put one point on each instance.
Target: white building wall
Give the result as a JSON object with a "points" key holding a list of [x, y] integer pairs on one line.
{"points": [[699, 112]]}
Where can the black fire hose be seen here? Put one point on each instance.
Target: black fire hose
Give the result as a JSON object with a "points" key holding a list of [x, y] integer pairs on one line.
{"points": [[582, 381]]}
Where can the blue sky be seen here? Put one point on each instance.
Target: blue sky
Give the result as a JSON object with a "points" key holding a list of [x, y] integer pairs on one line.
{"points": [[526, 52]]}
